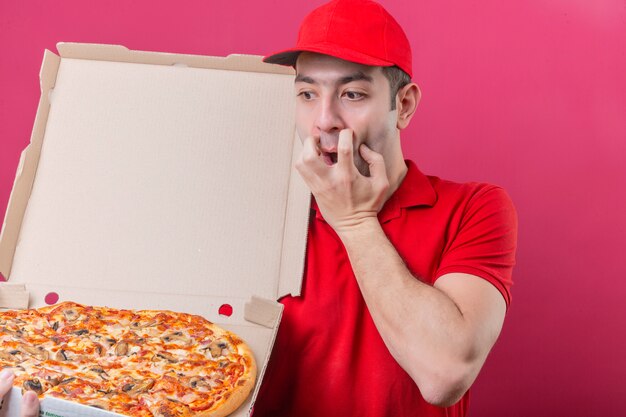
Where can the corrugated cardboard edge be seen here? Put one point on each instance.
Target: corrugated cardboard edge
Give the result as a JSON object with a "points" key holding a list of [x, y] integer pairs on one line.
{"points": [[293, 249], [27, 167], [120, 53], [267, 313]]}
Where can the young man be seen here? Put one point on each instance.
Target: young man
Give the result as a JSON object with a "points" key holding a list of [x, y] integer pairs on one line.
{"points": [[407, 276]]}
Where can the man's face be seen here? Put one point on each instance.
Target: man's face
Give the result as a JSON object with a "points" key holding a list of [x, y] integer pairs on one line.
{"points": [[333, 94]]}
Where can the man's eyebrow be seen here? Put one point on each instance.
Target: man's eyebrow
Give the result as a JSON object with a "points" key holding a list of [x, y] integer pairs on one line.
{"points": [[304, 79], [357, 76]]}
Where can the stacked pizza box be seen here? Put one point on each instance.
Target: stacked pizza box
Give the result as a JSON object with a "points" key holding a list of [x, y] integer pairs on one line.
{"points": [[159, 181]]}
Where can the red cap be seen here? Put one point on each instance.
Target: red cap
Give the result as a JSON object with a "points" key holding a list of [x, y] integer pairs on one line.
{"points": [[360, 31]]}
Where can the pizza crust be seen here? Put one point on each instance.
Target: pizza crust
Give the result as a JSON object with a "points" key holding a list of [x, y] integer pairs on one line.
{"points": [[232, 403], [238, 397]]}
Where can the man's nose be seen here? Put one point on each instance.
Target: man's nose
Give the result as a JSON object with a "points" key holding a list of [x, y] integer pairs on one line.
{"points": [[328, 116]]}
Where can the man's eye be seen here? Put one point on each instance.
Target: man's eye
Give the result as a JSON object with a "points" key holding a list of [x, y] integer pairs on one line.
{"points": [[307, 95], [353, 95]]}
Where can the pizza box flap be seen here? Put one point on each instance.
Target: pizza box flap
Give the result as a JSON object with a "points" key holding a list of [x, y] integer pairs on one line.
{"points": [[160, 180], [158, 173]]}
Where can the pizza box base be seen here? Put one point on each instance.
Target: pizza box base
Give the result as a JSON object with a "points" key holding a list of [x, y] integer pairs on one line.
{"points": [[160, 181], [52, 407]]}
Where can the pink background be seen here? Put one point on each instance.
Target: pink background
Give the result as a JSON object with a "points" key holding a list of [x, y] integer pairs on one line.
{"points": [[527, 94]]}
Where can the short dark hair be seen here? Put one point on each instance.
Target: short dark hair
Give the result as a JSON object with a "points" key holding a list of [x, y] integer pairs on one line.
{"points": [[397, 79]]}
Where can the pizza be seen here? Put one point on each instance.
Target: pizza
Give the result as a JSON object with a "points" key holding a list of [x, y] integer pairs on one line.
{"points": [[145, 363]]}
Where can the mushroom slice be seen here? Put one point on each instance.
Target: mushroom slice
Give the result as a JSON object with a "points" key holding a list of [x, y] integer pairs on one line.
{"points": [[71, 314], [32, 385], [15, 333], [138, 387], [6, 356], [100, 372], [217, 348], [60, 356], [99, 349], [109, 341], [198, 382], [161, 411], [167, 356], [121, 349], [177, 337], [53, 380], [139, 325], [36, 352], [67, 380], [43, 355]]}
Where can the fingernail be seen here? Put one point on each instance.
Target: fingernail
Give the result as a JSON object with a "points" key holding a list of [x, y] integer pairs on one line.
{"points": [[6, 374], [29, 398]]}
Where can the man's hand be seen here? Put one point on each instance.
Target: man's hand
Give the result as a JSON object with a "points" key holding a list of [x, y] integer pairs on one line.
{"points": [[30, 402], [345, 197]]}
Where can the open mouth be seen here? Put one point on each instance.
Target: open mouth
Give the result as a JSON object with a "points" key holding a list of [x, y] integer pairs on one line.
{"points": [[330, 158]]}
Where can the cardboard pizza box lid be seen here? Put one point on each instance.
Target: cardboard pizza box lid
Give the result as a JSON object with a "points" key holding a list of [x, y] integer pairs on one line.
{"points": [[161, 181]]}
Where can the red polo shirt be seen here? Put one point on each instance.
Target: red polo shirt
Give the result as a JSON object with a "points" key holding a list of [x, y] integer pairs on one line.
{"points": [[329, 359]]}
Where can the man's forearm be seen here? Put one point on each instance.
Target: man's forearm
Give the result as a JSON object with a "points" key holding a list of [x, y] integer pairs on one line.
{"points": [[422, 327]]}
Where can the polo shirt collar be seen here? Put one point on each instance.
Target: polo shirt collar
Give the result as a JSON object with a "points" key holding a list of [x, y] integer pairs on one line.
{"points": [[414, 191]]}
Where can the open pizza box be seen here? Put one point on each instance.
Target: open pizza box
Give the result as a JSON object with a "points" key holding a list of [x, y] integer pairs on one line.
{"points": [[158, 181]]}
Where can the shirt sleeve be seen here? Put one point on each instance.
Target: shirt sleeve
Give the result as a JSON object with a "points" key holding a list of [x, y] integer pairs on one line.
{"points": [[485, 242]]}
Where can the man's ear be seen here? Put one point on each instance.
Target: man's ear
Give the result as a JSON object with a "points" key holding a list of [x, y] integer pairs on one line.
{"points": [[407, 99]]}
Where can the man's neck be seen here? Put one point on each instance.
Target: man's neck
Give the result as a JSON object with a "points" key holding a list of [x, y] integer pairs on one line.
{"points": [[395, 174]]}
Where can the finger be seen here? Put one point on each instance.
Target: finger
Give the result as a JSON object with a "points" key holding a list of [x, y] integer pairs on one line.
{"points": [[310, 160], [374, 160], [345, 150], [30, 404], [6, 381], [310, 145]]}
